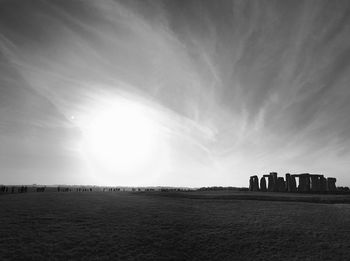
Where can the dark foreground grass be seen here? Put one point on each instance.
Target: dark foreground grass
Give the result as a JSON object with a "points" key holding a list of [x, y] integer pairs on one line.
{"points": [[151, 226], [261, 196]]}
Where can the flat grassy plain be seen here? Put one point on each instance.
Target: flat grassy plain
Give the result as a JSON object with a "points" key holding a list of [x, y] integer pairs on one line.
{"points": [[170, 226]]}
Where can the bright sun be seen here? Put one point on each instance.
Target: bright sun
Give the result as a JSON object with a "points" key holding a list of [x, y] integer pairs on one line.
{"points": [[120, 136]]}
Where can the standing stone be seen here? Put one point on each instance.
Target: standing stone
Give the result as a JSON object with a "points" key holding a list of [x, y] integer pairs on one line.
{"points": [[271, 184], [274, 177], [251, 184], [254, 183], [331, 184], [281, 187], [263, 184], [323, 184], [315, 183], [293, 184], [304, 183], [288, 181]]}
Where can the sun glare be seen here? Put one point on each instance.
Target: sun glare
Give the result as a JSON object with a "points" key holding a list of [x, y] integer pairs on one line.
{"points": [[120, 136]]}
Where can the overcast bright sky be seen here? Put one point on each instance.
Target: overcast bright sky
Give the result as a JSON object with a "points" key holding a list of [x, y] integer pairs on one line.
{"points": [[231, 88]]}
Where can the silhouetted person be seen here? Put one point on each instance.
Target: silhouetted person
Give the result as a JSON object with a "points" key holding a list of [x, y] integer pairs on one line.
{"points": [[40, 189]]}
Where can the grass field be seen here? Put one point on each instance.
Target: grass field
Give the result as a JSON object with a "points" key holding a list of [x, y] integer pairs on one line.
{"points": [[169, 226]]}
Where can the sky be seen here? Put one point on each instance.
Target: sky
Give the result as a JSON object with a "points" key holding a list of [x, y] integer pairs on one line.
{"points": [[197, 93]]}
